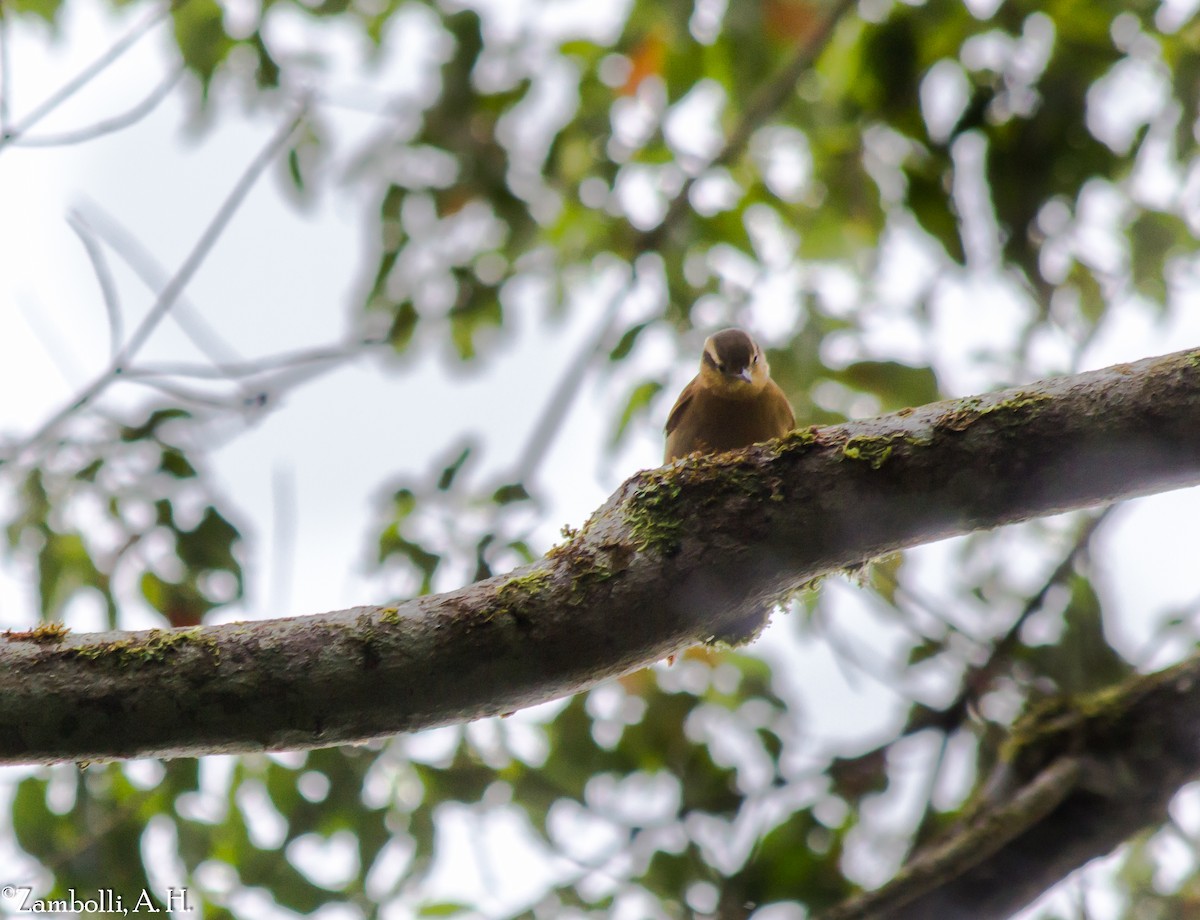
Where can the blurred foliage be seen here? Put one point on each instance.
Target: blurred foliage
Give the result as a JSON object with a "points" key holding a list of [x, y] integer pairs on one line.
{"points": [[980, 143], [116, 510]]}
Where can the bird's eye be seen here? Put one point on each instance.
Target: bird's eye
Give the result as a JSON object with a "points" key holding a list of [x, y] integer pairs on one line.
{"points": [[721, 366], [754, 360]]}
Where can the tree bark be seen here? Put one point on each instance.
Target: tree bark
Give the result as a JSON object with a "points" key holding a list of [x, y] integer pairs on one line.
{"points": [[695, 552], [1081, 777]]}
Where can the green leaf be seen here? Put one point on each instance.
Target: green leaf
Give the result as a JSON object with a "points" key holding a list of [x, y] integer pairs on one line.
{"points": [[33, 509], [404, 326], [512, 492], [448, 475], [266, 75], [89, 471], [201, 37], [154, 421], [929, 200], [896, 385], [479, 311], [1154, 238], [64, 567], [175, 463], [638, 403], [394, 545], [622, 349], [181, 604], [445, 909], [210, 545], [404, 503], [44, 9], [305, 157]]}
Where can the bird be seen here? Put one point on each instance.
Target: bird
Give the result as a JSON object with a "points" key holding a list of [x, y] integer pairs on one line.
{"points": [[731, 403]]}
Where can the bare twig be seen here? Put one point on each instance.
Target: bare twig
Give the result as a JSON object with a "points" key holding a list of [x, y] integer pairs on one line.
{"points": [[978, 678], [928, 812], [256, 383], [40, 323], [85, 76], [108, 125], [184, 314], [174, 287], [5, 72], [254, 367], [855, 656], [108, 290], [190, 396], [170, 293]]}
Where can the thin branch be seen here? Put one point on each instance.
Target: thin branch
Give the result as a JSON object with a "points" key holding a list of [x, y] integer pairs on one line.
{"points": [[1180, 625], [929, 812], [305, 369], [549, 424], [913, 603], [978, 678], [251, 394], [170, 293], [765, 103], [254, 367], [852, 655], [193, 397], [40, 322], [108, 290], [289, 368], [109, 125], [80, 80], [184, 314], [982, 839], [5, 72], [212, 233]]}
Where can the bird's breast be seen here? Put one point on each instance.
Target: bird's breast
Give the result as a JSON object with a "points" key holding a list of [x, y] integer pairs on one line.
{"points": [[716, 423]]}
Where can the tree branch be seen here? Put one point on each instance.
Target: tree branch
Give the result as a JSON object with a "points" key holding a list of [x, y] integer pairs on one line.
{"points": [[171, 292], [1079, 778], [12, 133], [967, 849], [1109, 764], [696, 552], [109, 125]]}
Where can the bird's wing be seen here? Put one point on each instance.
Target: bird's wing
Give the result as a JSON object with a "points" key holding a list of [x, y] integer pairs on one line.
{"points": [[680, 406], [784, 404]]}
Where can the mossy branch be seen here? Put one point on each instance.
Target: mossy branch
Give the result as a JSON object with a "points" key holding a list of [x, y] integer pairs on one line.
{"points": [[691, 553], [1079, 777]]}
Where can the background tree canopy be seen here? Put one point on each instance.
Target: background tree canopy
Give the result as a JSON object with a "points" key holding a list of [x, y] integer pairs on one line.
{"points": [[904, 201]]}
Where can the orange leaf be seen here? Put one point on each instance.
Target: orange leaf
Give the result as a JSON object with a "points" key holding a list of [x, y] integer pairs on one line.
{"points": [[646, 59], [790, 22]]}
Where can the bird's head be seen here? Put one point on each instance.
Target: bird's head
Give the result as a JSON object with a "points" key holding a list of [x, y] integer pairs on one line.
{"points": [[733, 364]]}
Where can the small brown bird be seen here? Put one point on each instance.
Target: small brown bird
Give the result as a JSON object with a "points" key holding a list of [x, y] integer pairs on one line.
{"points": [[731, 403]]}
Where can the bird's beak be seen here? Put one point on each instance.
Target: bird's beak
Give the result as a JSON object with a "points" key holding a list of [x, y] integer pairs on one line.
{"points": [[745, 375]]}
